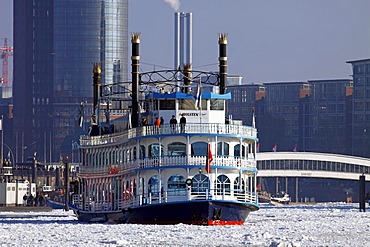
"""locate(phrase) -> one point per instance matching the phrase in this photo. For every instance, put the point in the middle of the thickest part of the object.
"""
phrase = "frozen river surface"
(330, 224)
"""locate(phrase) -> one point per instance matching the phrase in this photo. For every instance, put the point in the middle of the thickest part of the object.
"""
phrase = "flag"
(274, 149)
(258, 147)
(295, 148)
(81, 115)
(253, 118)
(198, 97)
(209, 159)
(80, 121)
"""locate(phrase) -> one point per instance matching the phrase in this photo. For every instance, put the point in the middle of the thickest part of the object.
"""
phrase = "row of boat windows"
(176, 185)
(313, 165)
(120, 155)
(188, 104)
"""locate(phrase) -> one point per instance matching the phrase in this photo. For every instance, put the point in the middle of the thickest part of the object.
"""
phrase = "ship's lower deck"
(202, 212)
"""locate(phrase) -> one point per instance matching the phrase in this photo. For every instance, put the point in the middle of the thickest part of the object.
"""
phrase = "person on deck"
(157, 123)
(144, 122)
(173, 123)
(182, 123)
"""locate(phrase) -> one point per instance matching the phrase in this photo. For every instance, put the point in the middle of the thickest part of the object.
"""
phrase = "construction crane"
(6, 52)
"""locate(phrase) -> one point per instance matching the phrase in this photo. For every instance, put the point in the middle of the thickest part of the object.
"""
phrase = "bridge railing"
(313, 165)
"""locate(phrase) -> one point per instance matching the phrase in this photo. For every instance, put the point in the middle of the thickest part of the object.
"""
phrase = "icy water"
(331, 224)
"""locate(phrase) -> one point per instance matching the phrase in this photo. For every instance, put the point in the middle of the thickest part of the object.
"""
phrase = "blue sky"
(270, 40)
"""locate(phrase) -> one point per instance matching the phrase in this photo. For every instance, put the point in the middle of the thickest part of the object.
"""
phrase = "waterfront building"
(325, 114)
(361, 107)
(297, 116)
(244, 101)
(55, 44)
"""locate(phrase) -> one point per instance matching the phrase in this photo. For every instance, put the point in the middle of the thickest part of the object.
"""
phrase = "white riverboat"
(199, 172)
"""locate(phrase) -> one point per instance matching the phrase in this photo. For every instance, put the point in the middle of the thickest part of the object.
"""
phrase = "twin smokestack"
(183, 54)
(183, 60)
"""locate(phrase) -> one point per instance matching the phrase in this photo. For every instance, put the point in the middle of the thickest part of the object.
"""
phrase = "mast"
(135, 66)
(222, 42)
(96, 88)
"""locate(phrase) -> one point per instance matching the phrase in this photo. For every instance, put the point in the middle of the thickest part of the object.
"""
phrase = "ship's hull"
(54, 204)
(205, 212)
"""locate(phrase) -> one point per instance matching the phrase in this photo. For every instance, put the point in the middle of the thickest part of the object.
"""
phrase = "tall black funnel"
(135, 66)
(222, 59)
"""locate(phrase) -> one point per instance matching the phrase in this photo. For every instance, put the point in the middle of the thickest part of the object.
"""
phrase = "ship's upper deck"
(206, 117)
(167, 130)
(209, 109)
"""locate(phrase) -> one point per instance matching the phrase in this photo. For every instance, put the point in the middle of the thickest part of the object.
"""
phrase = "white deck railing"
(173, 161)
(119, 204)
(190, 128)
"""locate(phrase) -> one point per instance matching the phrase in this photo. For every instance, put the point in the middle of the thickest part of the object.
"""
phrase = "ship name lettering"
(192, 114)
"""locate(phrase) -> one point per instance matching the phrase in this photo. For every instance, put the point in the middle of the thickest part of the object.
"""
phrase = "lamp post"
(25, 147)
(11, 152)
(2, 140)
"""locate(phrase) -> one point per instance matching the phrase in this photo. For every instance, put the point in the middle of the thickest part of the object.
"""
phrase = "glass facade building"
(56, 44)
(361, 107)
(325, 125)
(310, 116)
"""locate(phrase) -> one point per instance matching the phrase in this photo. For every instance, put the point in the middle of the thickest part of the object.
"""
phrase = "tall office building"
(310, 116)
(325, 124)
(56, 43)
(361, 107)
(281, 116)
(244, 100)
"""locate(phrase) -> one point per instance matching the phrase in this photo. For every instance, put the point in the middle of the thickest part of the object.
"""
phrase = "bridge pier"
(296, 189)
(362, 193)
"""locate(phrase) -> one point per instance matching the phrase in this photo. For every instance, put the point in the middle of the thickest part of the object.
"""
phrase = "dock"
(25, 209)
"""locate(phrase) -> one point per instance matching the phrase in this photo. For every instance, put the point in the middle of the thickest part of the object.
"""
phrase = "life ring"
(189, 182)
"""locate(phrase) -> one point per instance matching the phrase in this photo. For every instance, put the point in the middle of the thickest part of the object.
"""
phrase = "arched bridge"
(307, 164)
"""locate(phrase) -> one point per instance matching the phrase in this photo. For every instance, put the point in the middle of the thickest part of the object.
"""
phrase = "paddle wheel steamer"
(199, 171)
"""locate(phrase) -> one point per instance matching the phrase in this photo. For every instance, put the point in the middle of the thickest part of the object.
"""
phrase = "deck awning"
(175, 95)
(178, 95)
(210, 95)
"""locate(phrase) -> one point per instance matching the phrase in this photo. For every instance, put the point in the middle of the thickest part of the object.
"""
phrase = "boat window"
(200, 184)
(239, 185)
(134, 188)
(176, 149)
(109, 158)
(141, 188)
(199, 149)
(189, 104)
(222, 149)
(217, 104)
(176, 186)
(142, 151)
(155, 105)
(186, 104)
(114, 155)
(128, 155)
(168, 104)
(154, 150)
(153, 185)
(237, 151)
(222, 185)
